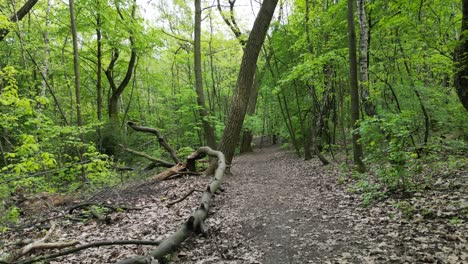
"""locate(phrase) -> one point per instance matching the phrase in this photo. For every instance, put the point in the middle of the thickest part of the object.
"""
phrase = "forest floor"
(277, 208)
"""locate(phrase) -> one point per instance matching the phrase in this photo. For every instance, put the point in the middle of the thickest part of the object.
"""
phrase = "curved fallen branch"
(43, 243)
(83, 247)
(156, 161)
(195, 223)
(161, 140)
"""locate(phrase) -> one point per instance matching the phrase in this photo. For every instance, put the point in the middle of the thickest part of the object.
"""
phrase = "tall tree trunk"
(207, 128)
(45, 63)
(357, 148)
(246, 142)
(242, 92)
(461, 59)
(118, 90)
(99, 62)
(76, 64)
(369, 107)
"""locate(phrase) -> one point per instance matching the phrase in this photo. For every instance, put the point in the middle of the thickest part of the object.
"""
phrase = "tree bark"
(210, 136)
(246, 143)
(461, 59)
(76, 65)
(99, 62)
(369, 107)
(117, 91)
(242, 92)
(357, 148)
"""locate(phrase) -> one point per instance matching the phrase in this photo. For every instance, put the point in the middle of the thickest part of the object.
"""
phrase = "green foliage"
(42, 156)
(387, 139)
(8, 216)
(184, 152)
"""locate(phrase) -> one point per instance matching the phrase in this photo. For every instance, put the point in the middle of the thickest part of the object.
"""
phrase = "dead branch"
(43, 243)
(112, 207)
(35, 244)
(83, 247)
(183, 198)
(177, 169)
(195, 223)
(161, 140)
(155, 161)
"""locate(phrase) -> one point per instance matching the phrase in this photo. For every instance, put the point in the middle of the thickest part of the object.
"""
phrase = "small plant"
(406, 209)
(389, 151)
(9, 216)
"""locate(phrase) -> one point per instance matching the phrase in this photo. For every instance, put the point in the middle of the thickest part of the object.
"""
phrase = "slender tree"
(242, 92)
(207, 128)
(357, 149)
(99, 61)
(76, 66)
(369, 107)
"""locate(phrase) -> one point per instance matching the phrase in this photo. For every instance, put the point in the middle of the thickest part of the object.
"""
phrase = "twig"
(183, 198)
(114, 208)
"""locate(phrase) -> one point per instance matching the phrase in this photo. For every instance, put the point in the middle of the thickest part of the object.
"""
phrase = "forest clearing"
(239, 131)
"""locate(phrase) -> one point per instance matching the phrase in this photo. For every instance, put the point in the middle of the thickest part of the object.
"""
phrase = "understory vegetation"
(67, 93)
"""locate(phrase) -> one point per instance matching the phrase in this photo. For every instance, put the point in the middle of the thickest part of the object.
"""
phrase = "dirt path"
(279, 209)
(291, 210)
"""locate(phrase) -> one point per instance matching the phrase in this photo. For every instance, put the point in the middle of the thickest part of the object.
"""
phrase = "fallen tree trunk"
(176, 169)
(195, 223)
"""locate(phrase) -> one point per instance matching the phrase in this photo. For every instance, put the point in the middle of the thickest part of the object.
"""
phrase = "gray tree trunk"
(76, 65)
(369, 107)
(208, 130)
(240, 98)
(357, 148)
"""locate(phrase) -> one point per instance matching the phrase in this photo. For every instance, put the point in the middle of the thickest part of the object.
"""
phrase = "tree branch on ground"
(83, 247)
(195, 223)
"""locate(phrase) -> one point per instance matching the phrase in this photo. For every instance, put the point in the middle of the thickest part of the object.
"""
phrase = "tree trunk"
(99, 63)
(369, 107)
(76, 66)
(210, 136)
(357, 148)
(242, 92)
(246, 143)
(461, 59)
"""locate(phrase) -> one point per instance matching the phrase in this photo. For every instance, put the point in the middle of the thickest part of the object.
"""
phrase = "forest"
(213, 131)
